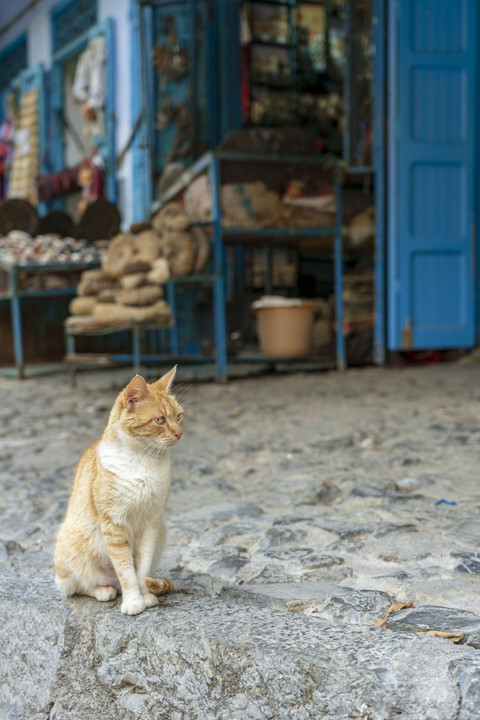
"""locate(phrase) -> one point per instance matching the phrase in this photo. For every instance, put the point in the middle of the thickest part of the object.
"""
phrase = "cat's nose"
(178, 434)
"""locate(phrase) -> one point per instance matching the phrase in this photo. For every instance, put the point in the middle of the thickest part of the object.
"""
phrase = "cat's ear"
(165, 383)
(136, 391)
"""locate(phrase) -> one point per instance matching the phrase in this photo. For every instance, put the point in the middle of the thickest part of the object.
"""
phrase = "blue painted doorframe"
(432, 116)
(379, 68)
(106, 143)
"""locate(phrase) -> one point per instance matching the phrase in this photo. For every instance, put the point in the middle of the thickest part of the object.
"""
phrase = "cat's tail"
(159, 586)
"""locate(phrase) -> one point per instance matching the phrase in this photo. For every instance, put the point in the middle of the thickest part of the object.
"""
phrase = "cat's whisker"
(149, 449)
(149, 445)
(183, 392)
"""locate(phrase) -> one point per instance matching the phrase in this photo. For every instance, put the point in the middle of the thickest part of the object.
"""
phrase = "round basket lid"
(101, 220)
(56, 222)
(17, 214)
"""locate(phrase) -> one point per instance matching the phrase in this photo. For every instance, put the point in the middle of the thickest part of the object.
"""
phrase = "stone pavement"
(304, 507)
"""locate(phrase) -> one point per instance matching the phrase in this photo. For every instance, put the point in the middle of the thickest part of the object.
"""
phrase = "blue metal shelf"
(15, 294)
(211, 163)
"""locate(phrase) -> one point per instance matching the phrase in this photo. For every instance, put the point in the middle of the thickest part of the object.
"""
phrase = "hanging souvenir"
(170, 60)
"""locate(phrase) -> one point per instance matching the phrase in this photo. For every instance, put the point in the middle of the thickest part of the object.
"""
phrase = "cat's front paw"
(133, 606)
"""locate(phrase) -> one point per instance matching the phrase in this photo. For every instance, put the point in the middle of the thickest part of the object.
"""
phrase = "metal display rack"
(211, 164)
(15, 294)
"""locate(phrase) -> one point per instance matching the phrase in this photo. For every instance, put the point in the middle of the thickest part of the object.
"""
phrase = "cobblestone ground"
(303, 507)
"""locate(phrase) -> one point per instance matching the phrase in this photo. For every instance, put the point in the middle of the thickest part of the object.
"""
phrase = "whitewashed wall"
(36, 24)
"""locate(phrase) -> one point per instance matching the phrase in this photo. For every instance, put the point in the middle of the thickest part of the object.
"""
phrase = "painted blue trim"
(12, 81)
(21, 40)
(476, 196)
(236, 71)
(228, 72)
(147, 32)
(192, 98)
(56, 11)
(136, 348)
(141, 165)
(219, 320)
(347, 99)
(393, 288)
(60, 7)
(212, 65)
(110, 150)
(172, 301)
(16, 323)
(338, 273)
(76, 46)
(378, 43)
(280, 231)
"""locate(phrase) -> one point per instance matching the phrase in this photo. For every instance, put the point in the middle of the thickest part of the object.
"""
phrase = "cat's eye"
(179, 417)
(160, 420)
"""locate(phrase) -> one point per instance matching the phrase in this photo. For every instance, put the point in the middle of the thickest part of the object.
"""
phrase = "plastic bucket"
(286, 332)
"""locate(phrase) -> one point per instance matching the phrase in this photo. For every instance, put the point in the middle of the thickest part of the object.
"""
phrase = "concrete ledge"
(222, 657)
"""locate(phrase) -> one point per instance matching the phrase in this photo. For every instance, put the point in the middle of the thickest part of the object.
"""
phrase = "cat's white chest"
(142, 482)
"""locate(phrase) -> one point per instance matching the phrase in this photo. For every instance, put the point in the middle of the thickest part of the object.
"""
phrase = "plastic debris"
(445, 502)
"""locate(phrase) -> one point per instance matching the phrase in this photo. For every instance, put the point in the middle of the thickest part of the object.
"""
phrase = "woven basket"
(145, 295)
(147, 246)
(135, 280)
(82, 305)
(119, 254)
(170, 217)
(160, 272)
(181, 252)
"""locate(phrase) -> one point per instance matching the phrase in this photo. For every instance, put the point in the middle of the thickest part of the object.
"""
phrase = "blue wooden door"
(432, 157)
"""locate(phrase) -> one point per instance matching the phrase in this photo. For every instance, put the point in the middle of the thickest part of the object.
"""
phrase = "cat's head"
(150, 411)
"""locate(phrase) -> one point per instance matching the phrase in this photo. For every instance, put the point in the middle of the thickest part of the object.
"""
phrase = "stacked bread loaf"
(129, 285)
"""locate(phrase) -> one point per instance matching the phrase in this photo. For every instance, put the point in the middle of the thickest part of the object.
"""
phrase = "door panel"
(432, 146)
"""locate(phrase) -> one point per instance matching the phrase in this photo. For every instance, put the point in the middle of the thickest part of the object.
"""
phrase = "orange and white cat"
(114, 531)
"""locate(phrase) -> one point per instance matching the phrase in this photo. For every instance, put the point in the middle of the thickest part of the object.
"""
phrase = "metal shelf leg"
(218, 283)
(136, 349)
(174, 341)
(338, 265)
(17, 324)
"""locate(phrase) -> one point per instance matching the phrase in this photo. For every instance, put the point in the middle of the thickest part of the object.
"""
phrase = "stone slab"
(290, 531)
(431, 617)
(320, 600)
(207, 658)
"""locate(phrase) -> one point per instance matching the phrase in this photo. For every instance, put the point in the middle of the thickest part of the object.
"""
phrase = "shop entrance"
(83, 113)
